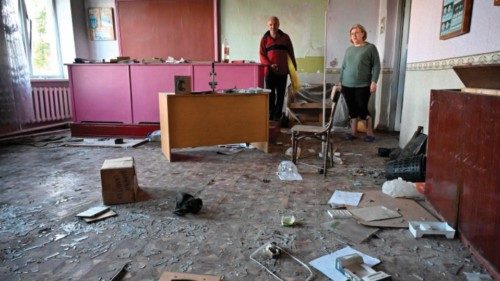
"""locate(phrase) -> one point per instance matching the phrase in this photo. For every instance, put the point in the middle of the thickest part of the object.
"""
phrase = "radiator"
(51, 104)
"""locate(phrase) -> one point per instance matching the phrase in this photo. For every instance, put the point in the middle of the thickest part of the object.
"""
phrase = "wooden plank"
(171, 276)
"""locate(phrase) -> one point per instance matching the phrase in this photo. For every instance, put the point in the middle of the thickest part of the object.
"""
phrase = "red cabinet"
(463, 167)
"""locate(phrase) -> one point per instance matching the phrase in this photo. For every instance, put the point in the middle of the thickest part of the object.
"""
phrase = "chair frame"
(321, 133)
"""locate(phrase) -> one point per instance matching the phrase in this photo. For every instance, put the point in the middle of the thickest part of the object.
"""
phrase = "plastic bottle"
(225, 51)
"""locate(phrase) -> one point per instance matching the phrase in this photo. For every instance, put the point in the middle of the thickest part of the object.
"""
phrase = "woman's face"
(357, 36)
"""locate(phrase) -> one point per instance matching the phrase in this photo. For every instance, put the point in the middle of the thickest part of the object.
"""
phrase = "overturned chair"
(321, 133)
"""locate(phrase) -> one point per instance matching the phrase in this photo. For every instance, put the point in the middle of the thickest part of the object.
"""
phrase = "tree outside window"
(45, 55)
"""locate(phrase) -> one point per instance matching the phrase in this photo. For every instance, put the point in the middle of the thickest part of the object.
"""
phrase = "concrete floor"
(44, 184)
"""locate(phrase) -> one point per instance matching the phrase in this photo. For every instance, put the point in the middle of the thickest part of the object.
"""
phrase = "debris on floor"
(477, 276)
(351, 230)
(179, 276)
(409, 209)
(288, 220)
(105, 215)
(401, 188)
(343, 198)
(119, 181)
(106, 142)
(339, 214)
(326, 264)
(353, 267)
(287, 171)
(92, 212)
(187, 203)
(96, 214)
(43, 187)
(230, 149)
(421, 228)
(374, 213)
(274, 252)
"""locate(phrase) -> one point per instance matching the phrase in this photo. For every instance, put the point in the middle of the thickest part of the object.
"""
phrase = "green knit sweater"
(360, 67)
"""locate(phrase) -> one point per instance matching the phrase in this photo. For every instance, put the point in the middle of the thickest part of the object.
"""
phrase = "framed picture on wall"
(101, 24)
(455, 18)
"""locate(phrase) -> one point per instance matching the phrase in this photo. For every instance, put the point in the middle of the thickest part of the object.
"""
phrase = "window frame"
(55, 39)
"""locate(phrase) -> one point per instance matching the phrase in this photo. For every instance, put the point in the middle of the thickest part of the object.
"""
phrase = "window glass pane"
(45, 58)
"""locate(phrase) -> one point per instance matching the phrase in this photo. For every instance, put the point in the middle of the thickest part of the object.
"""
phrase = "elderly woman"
(358, 80)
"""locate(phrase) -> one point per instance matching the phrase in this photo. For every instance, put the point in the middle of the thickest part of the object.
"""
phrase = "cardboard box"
(119, 181)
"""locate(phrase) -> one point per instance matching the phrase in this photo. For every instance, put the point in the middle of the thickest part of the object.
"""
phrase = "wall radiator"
(51, 104)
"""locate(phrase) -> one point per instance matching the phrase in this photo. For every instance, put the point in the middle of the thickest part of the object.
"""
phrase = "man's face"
(273, 26)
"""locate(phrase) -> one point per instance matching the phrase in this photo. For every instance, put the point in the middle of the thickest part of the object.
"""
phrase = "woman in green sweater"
(358, 80)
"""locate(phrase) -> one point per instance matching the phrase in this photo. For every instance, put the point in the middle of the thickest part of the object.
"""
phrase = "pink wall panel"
(146, 82)
(101, 93)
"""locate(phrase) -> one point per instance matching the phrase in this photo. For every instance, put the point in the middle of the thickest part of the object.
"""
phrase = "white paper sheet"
(326, 264)
(345, 198)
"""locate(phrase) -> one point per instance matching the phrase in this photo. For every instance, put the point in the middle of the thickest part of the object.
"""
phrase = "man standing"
(275, 48)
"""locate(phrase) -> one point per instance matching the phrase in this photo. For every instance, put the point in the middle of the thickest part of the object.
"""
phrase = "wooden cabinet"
(146, 82)
(202, 120)
(128, 93)
(463, 167)
(101, 93)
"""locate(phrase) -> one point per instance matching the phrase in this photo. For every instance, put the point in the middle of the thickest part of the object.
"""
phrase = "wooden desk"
(210, 119)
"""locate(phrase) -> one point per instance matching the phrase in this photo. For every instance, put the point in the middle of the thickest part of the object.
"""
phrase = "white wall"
(86, 48)
(424, 43)
(102, 49)
(342, 14)
(243, 22)
(430, 60)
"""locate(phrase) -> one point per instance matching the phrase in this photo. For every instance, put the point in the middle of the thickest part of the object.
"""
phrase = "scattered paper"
(345, 198)
(326, 264)
(92, 212)
(108, 214)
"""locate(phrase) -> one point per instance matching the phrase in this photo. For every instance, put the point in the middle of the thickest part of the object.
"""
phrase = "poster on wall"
(101, 24)
(455, 18)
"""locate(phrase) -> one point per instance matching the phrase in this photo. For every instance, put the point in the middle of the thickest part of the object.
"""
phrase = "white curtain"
(16, 105)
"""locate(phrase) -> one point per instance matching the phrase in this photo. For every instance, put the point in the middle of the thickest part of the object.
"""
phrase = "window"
(44, 38)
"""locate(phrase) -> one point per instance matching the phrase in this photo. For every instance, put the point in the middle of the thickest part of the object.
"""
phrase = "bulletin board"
(101, 24)
(160, 28)
(455, 18)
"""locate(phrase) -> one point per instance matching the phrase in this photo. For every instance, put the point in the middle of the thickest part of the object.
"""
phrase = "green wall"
(243, 22)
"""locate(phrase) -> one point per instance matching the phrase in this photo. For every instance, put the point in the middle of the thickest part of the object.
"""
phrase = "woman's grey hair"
(360, 27)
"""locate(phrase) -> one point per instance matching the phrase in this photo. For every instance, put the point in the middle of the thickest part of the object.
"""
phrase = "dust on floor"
(44, 184)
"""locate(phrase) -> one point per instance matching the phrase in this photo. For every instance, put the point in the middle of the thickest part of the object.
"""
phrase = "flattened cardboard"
(408, 208)
(172, 276)
(351, 230)
(119, 181)
(375, 213)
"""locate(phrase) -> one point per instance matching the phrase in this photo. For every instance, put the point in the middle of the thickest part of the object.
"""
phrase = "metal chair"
(321, 133)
